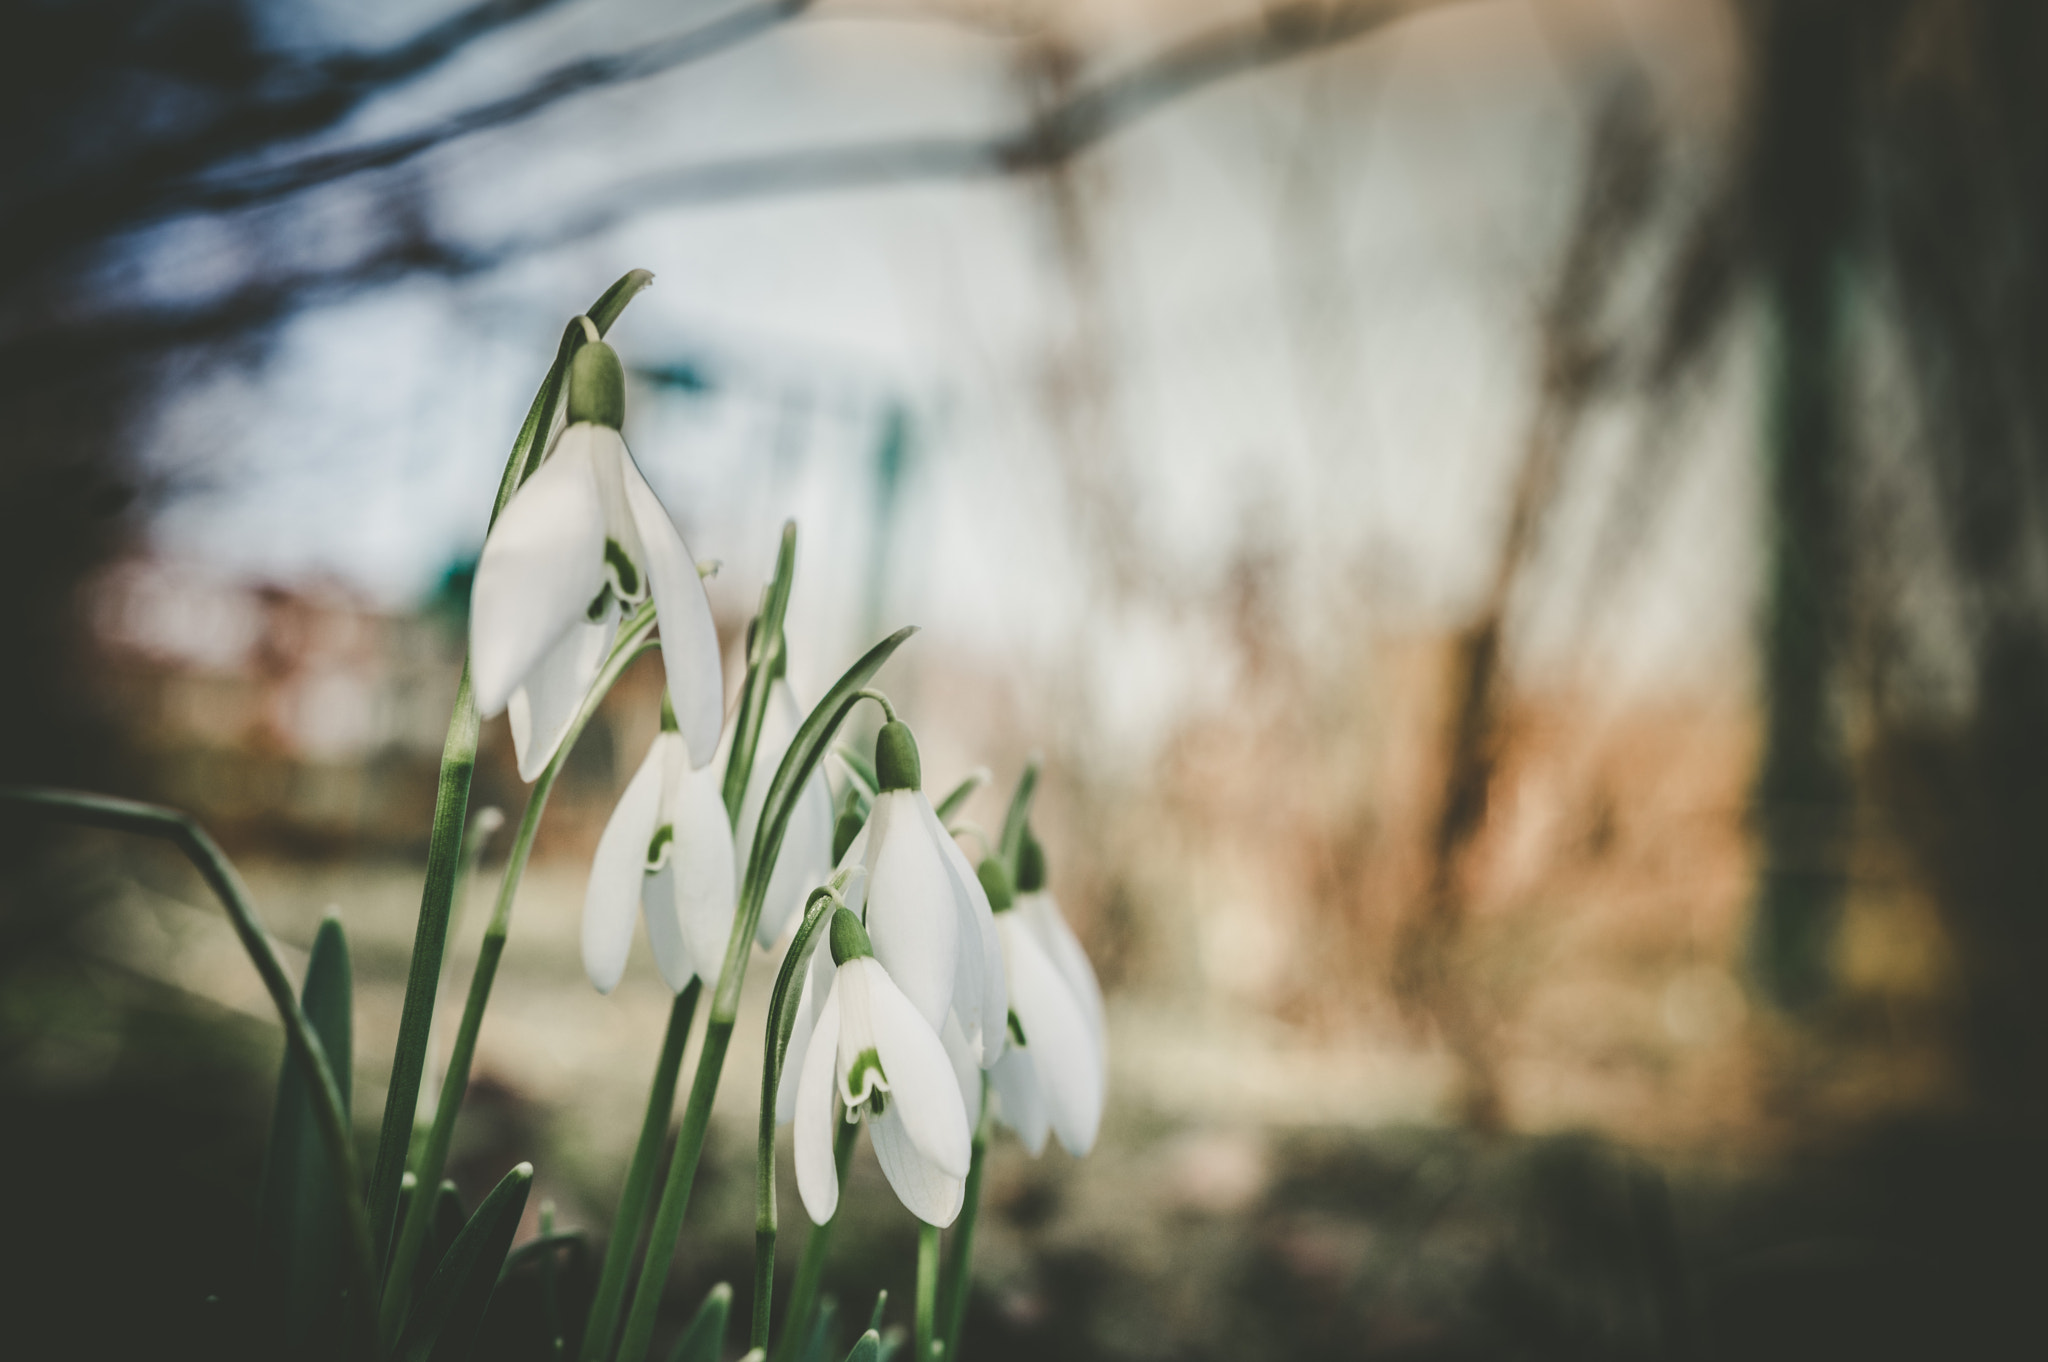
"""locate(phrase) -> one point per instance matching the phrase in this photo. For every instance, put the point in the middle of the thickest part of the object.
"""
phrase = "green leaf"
(875, 1315)
(867, 1349)
(704, 1340)
(764, 663)
(961, 793)
(806, 750)
(818, 1342)
(445, 1219)
(444, 1321)
(863, 770)
(576, 1242)
(302, 1221)
(1019, 814)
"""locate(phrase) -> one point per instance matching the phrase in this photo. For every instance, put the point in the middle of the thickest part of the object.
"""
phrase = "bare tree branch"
(237, 190)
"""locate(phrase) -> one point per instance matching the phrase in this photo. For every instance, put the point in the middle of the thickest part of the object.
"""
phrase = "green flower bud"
(845, 830)
(1030, 863)
(597, 386)
(896, 764)
(849, 938)
(995, 882)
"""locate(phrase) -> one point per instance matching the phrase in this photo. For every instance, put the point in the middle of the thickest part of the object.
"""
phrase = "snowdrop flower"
(926, 912)
(584, 540)
(806, 856)
(872, 1052)
(669, 849)
(1053, 1075)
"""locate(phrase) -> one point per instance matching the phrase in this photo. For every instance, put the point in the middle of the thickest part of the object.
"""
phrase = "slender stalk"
(430, 939)
(675, 1193)
(765, 661)
(927, 1288)
(451, 803)
(775, 1049)
(960, 1262)
(122, 815)
(810, 1268)
(631, 644)
(602, 1323)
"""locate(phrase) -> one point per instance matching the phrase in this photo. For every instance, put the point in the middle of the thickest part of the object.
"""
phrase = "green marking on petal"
(865, 1082)
(626, 580)
(659, 846)
(1016, 1030)
(600, 605)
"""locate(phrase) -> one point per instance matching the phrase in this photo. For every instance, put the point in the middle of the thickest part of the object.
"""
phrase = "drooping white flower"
(584, 539)
(1053, 1075)
(806, 855)
(926, 912)
(872, 1055)
(667, 849)
(1038, 909)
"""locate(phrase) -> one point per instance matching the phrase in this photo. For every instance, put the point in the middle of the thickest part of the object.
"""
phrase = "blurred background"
(1518, 527)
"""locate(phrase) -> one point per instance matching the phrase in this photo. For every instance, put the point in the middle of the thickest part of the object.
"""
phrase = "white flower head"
(668, 849)
(1054, 1073)
(928, 915)
(584, 539)
(871, 1054)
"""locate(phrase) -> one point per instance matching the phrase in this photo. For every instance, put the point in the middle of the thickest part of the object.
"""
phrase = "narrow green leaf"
(444, 1321)
(875, 1315)
(572, 1241)
(862, 769)
(303, 1220)
(1019, 814)
(704, 1340)
(867, 1349)
(764, 663)
(818, 1343)
(445, 1219)
(961, 793)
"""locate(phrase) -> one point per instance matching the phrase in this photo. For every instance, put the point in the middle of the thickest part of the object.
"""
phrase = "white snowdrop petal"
(965, 1057)
(659, 905)
(1043, 913)
(615, 875)
(924, 1093)
(817, 981)
(982, 994)
(541, 567)
(1015, 1081)
(925, 1189)
(912, 918)
(689, 637)
(546, 702)
(703, 859)
(817, 1178)
(1056, 1036)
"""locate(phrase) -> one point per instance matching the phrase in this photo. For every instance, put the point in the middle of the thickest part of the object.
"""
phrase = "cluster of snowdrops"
(922, 993)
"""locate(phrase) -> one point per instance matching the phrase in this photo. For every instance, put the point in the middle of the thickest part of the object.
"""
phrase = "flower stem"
(927, 1288)
(301, 1040)
(810, 1268)
(813, 739)
(959, 1263)
(632, 642)
(451, 803)
(781, 1022)
(430, 939)
(602, 1324)
(675, 1192)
